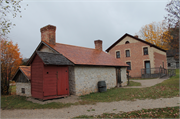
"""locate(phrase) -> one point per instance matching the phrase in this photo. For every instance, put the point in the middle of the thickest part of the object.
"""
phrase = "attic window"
(126, 42)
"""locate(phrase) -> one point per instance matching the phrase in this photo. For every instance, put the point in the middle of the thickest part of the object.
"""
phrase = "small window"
(127, 53)
(118, 54)
(169, 64)
(23, 90)
(129, 67)
(126, 42)
(145, 51)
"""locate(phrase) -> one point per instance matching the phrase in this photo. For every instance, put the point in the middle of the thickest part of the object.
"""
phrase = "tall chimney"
(48, 34)
(98, 45)
(136, 36)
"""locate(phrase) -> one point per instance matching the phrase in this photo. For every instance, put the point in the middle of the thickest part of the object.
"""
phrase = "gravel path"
(147, 83)
(99, 108)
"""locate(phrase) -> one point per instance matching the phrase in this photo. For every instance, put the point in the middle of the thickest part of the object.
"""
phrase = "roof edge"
(151, 45)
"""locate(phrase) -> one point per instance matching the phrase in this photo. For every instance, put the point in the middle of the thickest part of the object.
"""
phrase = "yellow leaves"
(156, 34)
(10, 58)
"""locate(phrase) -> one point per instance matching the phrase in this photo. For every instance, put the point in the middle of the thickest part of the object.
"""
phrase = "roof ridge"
(77, 46)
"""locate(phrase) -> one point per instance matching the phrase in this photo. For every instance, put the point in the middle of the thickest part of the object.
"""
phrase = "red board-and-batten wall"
(48, 81)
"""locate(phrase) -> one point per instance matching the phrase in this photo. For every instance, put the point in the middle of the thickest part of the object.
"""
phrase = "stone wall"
(27, 87)
(87, 77)
(123, 76)
(72, 84)
(172, 62)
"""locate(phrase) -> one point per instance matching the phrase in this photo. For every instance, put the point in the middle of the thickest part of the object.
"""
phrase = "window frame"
(144, 52)
(23, 90)
(126, 53)
(129, 67)
(119, 54)
(127, 42)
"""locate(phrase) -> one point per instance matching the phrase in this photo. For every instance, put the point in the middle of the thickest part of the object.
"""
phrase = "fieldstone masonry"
(86, 78)
(27, 87)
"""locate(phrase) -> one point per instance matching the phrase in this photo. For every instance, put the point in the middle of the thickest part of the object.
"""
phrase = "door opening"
(147, 67)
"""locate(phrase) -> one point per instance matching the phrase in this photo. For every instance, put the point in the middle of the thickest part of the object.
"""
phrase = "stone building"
(173, 59)
(86, 66)
(23, 81)
(138, 53)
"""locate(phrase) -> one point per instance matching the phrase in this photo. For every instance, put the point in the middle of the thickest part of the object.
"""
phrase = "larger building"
(138, 54)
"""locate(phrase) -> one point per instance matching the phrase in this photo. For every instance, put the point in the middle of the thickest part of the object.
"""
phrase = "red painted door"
(63, 85)
(50, 81)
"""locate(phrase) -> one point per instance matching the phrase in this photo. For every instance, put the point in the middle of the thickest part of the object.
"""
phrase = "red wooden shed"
(49, 74)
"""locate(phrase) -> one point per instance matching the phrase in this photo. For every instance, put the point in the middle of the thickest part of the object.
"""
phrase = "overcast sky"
(80, 22)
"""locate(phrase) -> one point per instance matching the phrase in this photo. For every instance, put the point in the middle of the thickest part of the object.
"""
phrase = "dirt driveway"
(148, 82)
(99, 108)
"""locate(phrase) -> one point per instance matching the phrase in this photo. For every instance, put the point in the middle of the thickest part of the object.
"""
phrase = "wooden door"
(63, 84)
(50, 81)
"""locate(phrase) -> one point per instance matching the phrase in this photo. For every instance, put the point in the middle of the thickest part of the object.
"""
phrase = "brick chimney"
(98, 45)
(136, 36)
(48, 34)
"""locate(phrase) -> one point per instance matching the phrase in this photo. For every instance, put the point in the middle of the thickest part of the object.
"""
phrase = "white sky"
(80, 22)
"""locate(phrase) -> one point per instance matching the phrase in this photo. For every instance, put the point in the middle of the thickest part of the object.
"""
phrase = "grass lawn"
(168, 112)
(166, 89)
(139, 79)
(132, 83)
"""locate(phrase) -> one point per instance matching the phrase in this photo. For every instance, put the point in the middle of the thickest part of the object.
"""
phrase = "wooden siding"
(21, 78)
(50, 81)
(37, 77)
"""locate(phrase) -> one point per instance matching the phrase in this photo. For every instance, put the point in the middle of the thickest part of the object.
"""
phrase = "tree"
(9, 8)
(173, 9)
(174, 41)
(156, 33)
(10, 61)
(173, 20)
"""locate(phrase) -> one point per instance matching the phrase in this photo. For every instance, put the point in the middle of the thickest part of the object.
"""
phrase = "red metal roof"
(86, 56)
(26, 70)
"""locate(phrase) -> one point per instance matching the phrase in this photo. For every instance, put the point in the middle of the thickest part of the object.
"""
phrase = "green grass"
(168, 112)
(13, 89)
(140, 79)
(132, 83)
(20, 102)
(166, 89)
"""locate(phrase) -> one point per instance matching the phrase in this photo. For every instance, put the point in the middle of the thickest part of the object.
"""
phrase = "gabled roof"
(26, 71)
(85, 56)
(53, 59)
(119, 40)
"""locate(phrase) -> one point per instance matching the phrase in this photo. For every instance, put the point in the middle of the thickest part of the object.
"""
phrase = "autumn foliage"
(157, 34)
(10, 61)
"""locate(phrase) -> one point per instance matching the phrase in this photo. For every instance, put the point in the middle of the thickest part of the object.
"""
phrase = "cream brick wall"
(123, 76)
(86, 78)
(27, 87)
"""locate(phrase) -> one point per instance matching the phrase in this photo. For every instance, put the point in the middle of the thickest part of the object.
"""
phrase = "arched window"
(126, 42)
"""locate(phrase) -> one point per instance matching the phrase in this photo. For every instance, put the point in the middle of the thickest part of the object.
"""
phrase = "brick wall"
(159, 59)
(136, 56)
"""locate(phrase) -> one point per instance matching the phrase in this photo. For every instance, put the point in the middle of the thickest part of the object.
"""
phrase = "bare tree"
(8, 9)
(173, 9)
